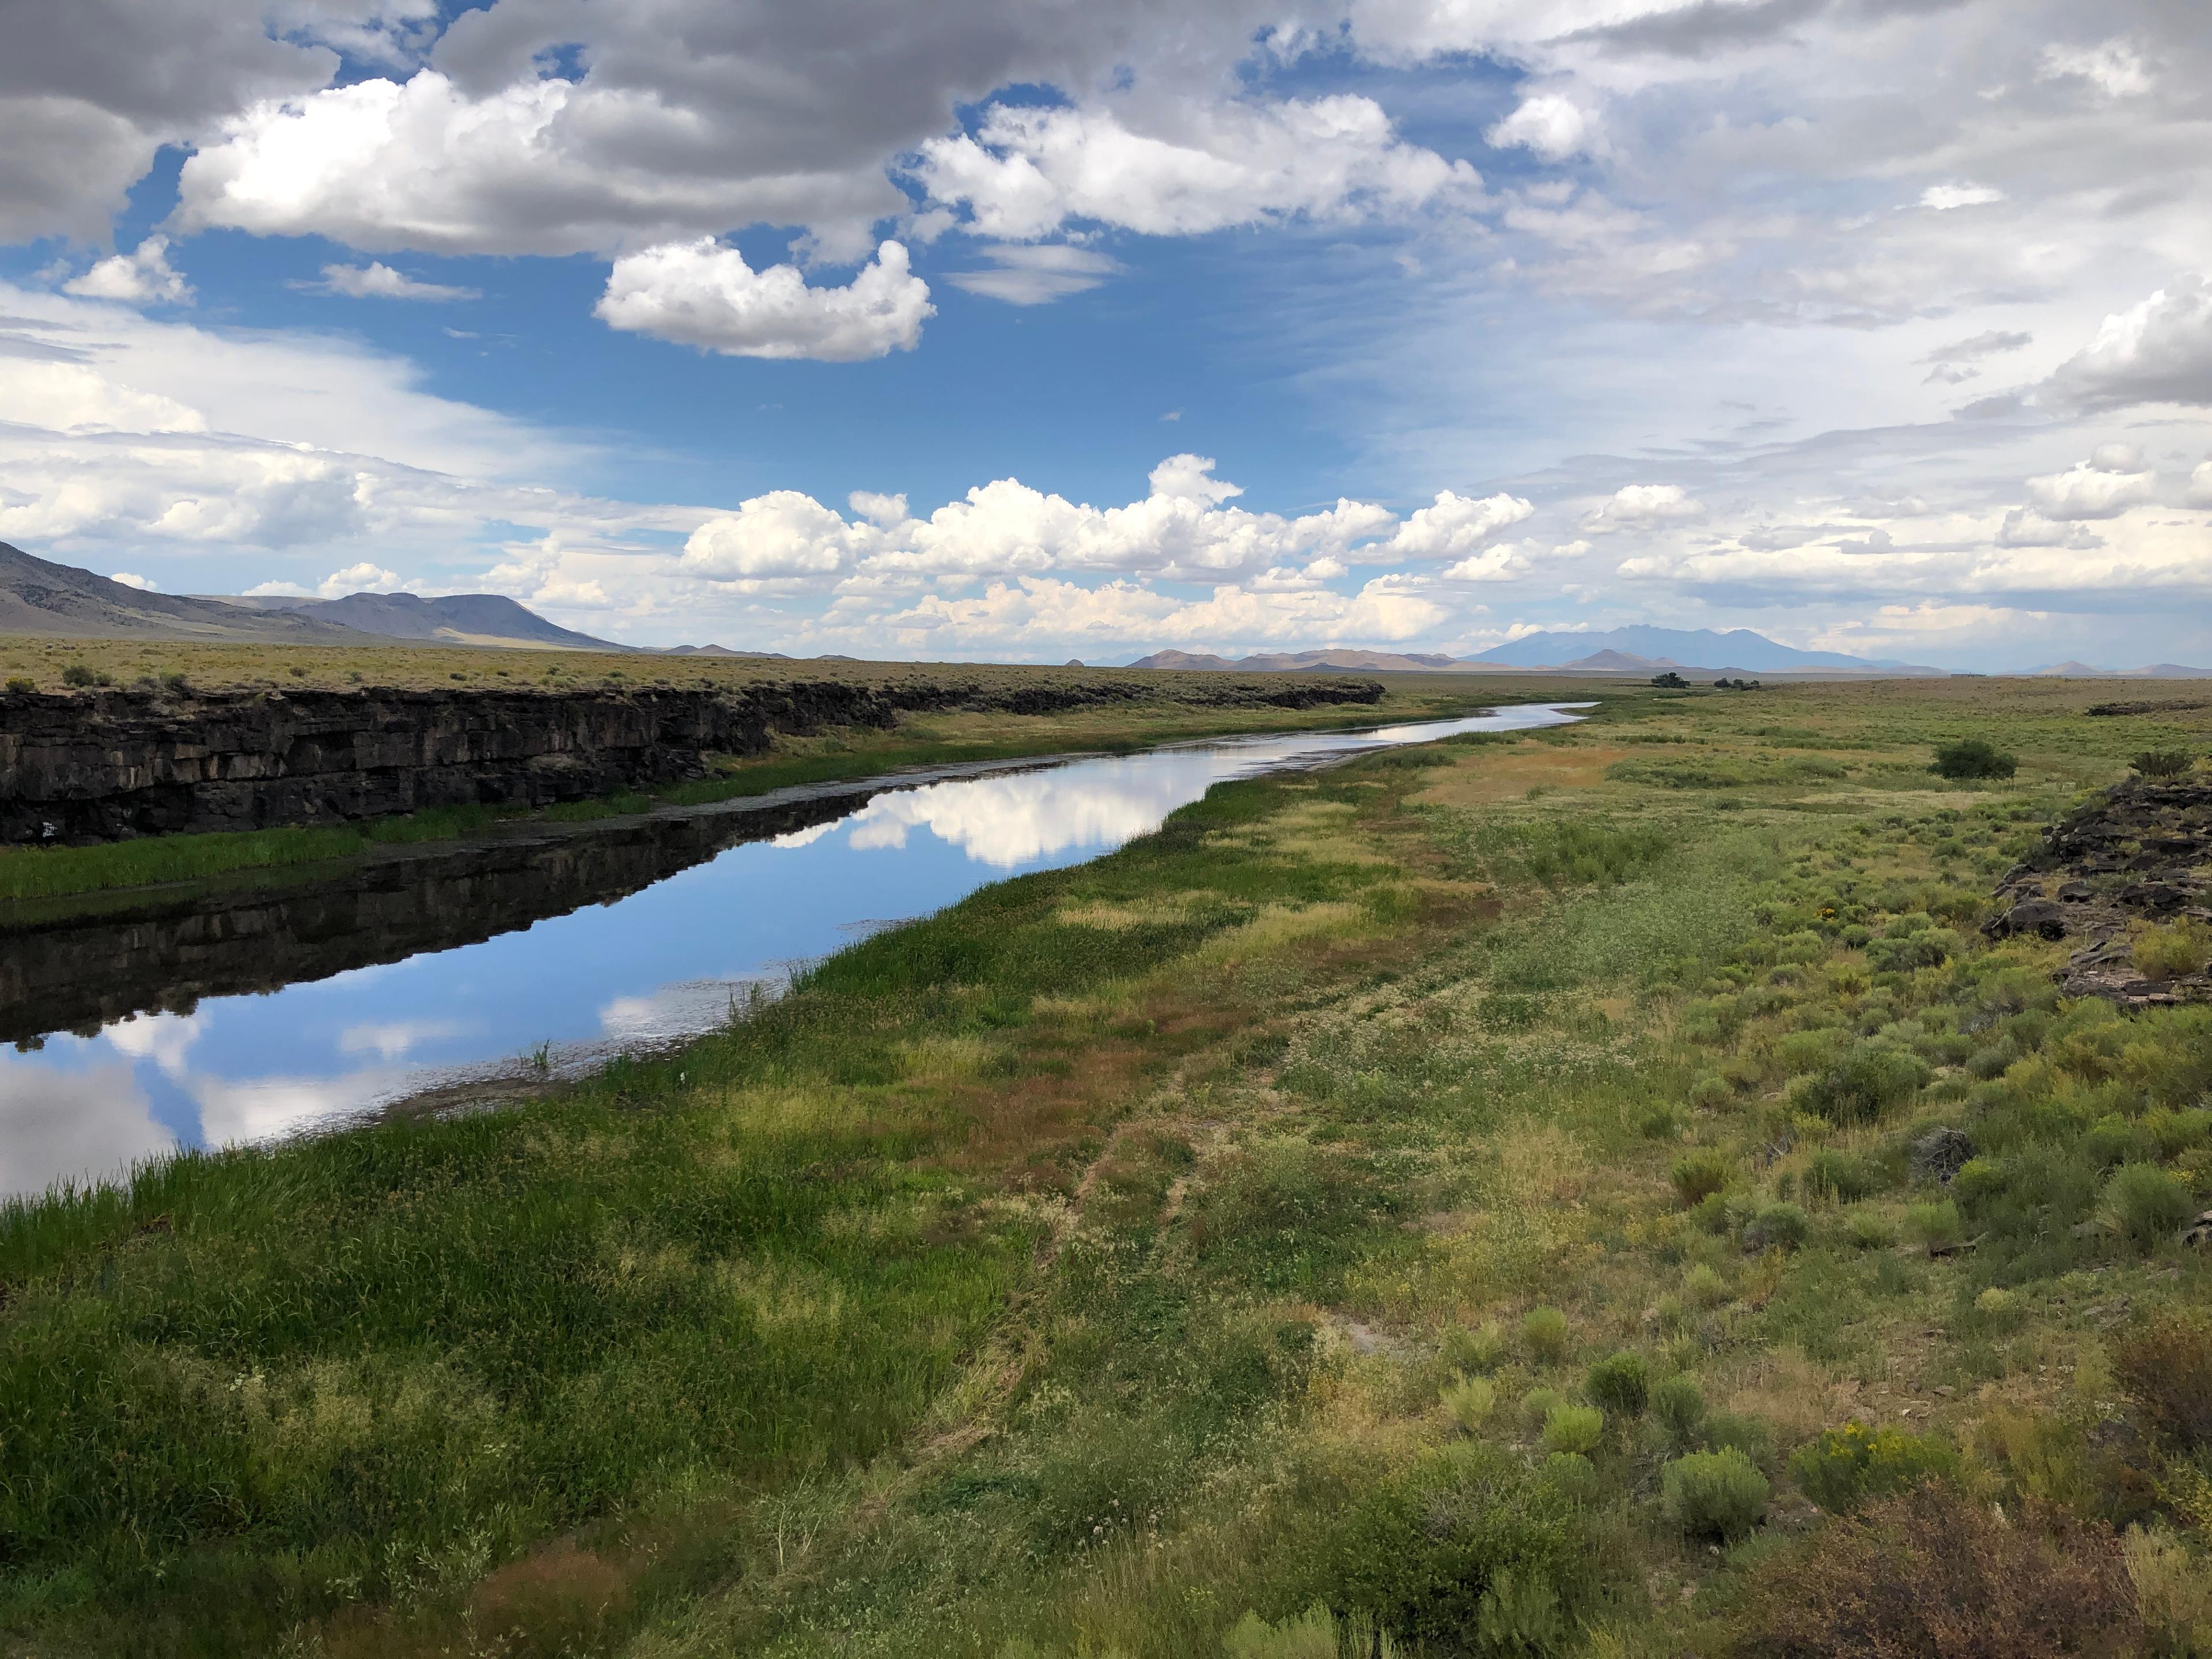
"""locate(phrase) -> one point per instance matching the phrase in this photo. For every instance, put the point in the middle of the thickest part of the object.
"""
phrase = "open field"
(1486, 1198)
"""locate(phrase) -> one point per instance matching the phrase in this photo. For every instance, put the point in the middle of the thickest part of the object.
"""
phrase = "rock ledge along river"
(246, 1010)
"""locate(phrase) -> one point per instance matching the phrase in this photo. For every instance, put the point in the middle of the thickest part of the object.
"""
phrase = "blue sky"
(1407, 323)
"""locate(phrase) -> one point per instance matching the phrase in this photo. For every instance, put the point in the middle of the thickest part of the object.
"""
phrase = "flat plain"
(1594, 1191)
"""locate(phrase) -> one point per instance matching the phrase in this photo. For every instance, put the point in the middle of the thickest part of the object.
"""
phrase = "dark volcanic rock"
(119, 763)
(2141, 852)
(1941, 1153)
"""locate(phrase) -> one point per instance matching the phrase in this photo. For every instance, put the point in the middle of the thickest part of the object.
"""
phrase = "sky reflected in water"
(658, 963)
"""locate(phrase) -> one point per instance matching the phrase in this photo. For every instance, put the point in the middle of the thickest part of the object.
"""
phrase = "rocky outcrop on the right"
(2139, 853)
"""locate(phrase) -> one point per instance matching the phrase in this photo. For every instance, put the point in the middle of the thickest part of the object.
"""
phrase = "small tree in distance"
(1974, 758)
(1670, 681)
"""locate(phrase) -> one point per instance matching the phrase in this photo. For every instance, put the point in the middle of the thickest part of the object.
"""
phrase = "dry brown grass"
(1933, 1574)
(1505, 773)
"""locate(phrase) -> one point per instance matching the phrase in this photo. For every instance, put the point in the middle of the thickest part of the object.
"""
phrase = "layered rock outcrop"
(2141, 852)
(107, 765)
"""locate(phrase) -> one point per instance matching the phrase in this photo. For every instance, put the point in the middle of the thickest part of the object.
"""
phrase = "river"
(248, 1010)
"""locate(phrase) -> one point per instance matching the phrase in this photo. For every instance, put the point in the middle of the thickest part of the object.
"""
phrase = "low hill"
(455, 619)
(39, 596)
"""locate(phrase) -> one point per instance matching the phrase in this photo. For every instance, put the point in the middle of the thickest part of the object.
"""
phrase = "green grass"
(58, 871)
(1094, 1268)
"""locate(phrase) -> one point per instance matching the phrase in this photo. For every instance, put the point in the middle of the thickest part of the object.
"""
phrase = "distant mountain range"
(2157, 671)
(456, 619)
(60, 600)
(38, 596)
(1639, 650)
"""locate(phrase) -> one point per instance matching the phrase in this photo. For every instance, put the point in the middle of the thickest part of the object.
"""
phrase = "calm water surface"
(651, 963)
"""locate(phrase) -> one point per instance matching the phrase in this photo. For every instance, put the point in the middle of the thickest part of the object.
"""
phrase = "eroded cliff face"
(106, 766)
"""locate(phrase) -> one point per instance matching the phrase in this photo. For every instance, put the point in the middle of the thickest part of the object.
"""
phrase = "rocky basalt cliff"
(107, 765)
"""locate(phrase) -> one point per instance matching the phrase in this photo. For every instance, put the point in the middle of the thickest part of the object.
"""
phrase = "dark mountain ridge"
(39, 596)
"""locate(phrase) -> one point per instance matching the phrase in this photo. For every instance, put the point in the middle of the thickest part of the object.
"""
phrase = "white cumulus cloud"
(1028, 171)
(1551, 124)
(378, 280)
(705, 294)
(142, 276)
(363, 578)
(2158, 351)
(783, 533)
(1641, 506)
(1453, 527)
(2091, 491)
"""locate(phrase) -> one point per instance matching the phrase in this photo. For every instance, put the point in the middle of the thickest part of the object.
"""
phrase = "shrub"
(1711, 1093)
(1739, 1431)
(1929, 947)
(1980, 1182)
(175, 682)
(1573, 1475)
(1999, 1306)
(78, 674)
(1974, 758)
(1467, 1540)
(1470, 1400)
(2144, 1204)
(1865, 1083)
(1713, 1494)
(2113, 1140)
(1776, 1226)
(2163, 1363)
(1932, 1572)
(2174, 1133)
(18, 683)
(1620, 1384)
(1576, 1428)
(1845, 1467)
(1536, 1405)
(1545, 1331)
(1934, 1226)
(1678, 1407)
(1699, 1175)
(1704, 1286)
(1838, 1176)
(2174, 952)
(1474, 1350)
(1870, 1232)
(2163, 763)
(2173, 1591)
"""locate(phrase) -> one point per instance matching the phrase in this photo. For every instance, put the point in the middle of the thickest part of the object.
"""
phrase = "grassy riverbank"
(1468, 1195)
(832, 755)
